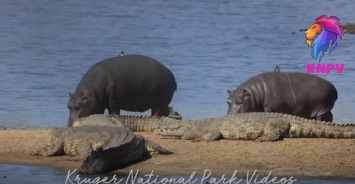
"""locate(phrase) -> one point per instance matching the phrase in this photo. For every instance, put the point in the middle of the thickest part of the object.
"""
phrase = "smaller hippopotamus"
(130, 82)
(300, 94)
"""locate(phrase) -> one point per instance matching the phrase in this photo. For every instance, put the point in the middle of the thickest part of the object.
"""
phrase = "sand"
(298, 158)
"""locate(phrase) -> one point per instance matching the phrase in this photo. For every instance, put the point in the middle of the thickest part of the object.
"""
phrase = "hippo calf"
(300, 94)
(127, 82)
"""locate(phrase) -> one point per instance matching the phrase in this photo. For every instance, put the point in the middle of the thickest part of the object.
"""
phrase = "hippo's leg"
(174, 114)
(113, 108)
(267, 108)
(162, 110)
(328, 117)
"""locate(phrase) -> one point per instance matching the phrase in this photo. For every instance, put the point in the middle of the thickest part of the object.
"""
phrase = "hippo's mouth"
(240, 110)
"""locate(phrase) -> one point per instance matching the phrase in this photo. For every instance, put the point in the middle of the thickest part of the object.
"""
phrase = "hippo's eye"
(239, 101)
(77, 107)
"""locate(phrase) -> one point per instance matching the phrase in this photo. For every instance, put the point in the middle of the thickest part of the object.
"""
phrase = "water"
(210, 46)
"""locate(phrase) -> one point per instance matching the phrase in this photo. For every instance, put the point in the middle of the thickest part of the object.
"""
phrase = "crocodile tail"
(103, 161)
(153, 147)
(317, 129)
(93, 164)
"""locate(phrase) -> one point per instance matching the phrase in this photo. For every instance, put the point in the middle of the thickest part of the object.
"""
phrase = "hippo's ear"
(84, 95)
(246, 93)
(229, 92)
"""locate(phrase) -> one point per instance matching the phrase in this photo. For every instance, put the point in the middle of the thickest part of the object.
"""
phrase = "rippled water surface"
(210, 46)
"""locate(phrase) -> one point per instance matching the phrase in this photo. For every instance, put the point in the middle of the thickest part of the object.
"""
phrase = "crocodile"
(100, 148)
(134, 123)
(115, 120)
(261, 126)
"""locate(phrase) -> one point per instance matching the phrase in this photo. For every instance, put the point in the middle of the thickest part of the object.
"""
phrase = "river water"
(210, 46)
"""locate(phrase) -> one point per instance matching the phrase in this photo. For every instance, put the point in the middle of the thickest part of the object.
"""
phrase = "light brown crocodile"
(101, 148)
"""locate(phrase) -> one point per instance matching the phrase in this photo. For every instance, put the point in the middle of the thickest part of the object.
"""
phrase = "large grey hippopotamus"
(300, 94)
(129, 82)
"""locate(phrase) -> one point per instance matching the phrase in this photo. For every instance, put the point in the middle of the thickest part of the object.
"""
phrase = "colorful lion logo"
(319, 35)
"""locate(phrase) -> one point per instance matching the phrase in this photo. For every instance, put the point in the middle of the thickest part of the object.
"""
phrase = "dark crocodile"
(263, 126)
(101, 148)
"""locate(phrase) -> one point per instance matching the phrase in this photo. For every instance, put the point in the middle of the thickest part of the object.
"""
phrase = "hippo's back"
(137, 69)
(295, 81)
(133, 82)
(300, 94)
(136, 72)
(302, 85)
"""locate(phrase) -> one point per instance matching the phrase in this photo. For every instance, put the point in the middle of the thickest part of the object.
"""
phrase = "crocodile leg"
(274, 131)
(192, 135)
(196, 136)
(78, 149)
(153, 148)
(55, 149)
(212, 135)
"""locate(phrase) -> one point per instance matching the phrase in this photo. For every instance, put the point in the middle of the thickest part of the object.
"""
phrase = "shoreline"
(298, 158)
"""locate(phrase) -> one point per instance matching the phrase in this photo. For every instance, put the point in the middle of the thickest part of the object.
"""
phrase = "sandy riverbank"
(300, 158)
